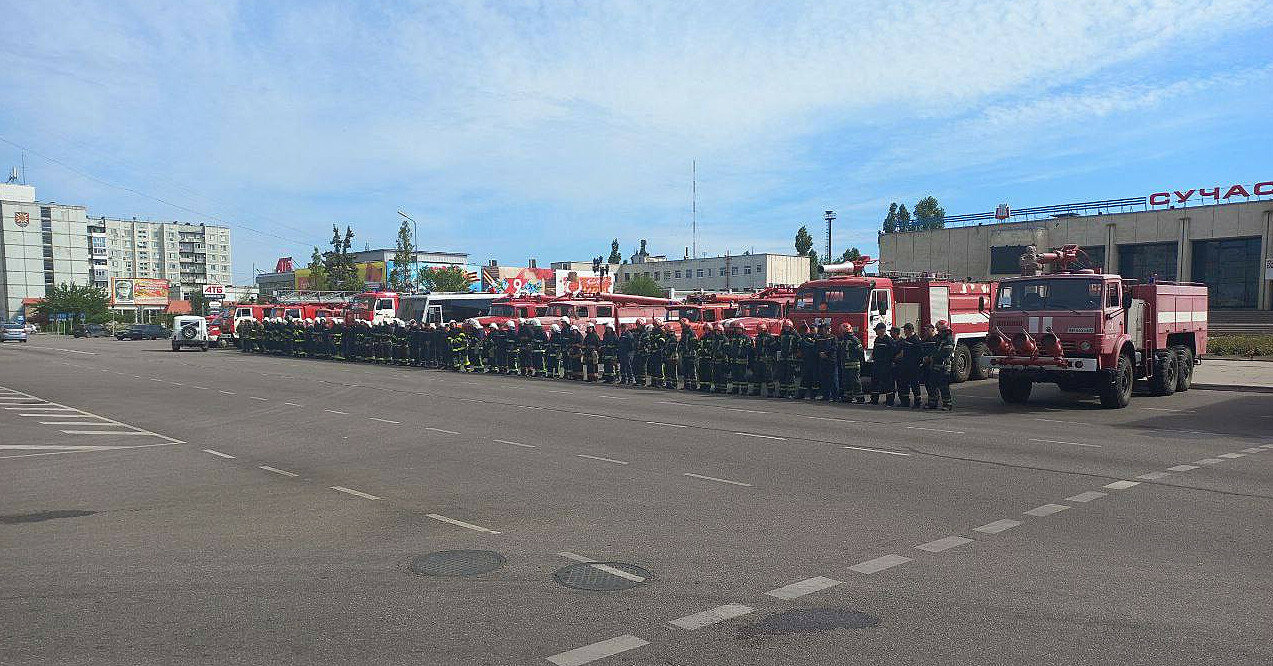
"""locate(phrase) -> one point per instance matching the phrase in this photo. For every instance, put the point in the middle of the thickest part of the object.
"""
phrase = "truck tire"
(1117, 390)
(204, 347)
(1166, 373)
(960, 364)
(977, 350)
(1013, 388)
(1184, 369)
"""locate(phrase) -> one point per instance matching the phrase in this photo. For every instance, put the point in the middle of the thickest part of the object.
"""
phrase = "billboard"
(138, 291)
(370, 272)
(513, 281)
(573, 283)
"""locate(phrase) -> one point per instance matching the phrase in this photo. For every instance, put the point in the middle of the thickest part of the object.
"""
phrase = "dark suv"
(91, 331)
(142, 332)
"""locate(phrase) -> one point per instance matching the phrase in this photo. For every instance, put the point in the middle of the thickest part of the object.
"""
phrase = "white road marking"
(293, 404)
(505, 441)
(1046, 510)
(199, 388)
(752, 434)
(997, 526)
(599, 650)
(595, 416)
(218, 453)
(1266, 447)
(461, 523)
(1182, 468)
(1121, 485)
(107, 432)
(57, 447)
(863, 448)
(38, 406)
(828, 418)
(336, 411)
(609, 460)
(945, 543)
(951, 432)
(556, 391)
(384, 420)
(1153, 476)
(351, 491)
(46, 415)
(1207, 461)
(879, 564)
(1054, 441)
(227, 392)
(1231, 455)
(446, 432)
(80, 423)
(600, 566)
(1087, 496)
(1254, 449)
(1167, 409)
(155, 379)
(712, 478)
(801, 588)
(176, 383)
(254, 397)
(1089, 425)
(710, 617)
(749, 411)
(670, 425)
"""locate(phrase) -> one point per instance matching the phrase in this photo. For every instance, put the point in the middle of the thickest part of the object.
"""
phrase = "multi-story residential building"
(41, 245)
(187, 255)
(743, 272)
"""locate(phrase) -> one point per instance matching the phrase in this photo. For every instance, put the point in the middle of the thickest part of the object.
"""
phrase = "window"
(1051, 294)
(760, 268)
(1146, 261)
(700, 272)
(581, 312)
(656, 275)
(837, 299)
(746, 270)
(722, 271)
(1111, 295)
(733, 270)
(1231, 268)
(678, 275)
(604, 311)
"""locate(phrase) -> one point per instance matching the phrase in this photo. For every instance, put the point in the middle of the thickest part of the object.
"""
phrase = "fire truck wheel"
(961, 364)
(1165, 373)
(1014, 389)
(1117, 392)
(1184, 374)
(977, 350)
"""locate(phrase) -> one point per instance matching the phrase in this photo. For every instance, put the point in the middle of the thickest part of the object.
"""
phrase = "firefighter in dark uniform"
(490, 348)
(574, 354)
(883, 355)
(525, 348)
(654, 353)
(705, 362)
(627, 347)
(788, 359)
(639, 358)
(538, 349)
(459, 348)
(722, 367)
(300, 337)
(939, 368)
(741, 354)
(591, 353)
(688, 353)
(909, 366)
(762, 368)
(828, 350)
(556, 350)
(609, 354)
(243, 333)
(671, 357)
(851, 355)
(413, 342)
(808, 363)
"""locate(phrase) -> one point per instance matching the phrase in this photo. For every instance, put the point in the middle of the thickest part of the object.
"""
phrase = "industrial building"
(1225, 245)
(41, 245)
(743, 272)
(187, 255)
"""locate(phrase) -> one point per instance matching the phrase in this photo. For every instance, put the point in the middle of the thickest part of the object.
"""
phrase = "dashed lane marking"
(1207, 461)
(945, 543)
(609, 460)
(863, 448)
(879, 564)
(829, 418)
(40, 407)
(801, 588)
(1254, 449)
(199, 388)
(1182, 468)
(950, 432)
(57, 447)
(710, 617)
(669, 425)
(1087, 496)
(372, 418)
(752, 434)
(505, 441)
(176, 383)
(1055, 441)
(461, 523)
(276, 470)
(595, 416)
(218, 453)
(1153, 476)
(445, 432)
(997, 526)
(712, 478)
(293, 404)
(599, 566)
(1231, 455)
(46, 415)
(227, 392)
(1046, 510)
(109, 432)
(257, 397)
(80, 423)
(336, 411)
(351, 491)
(599, 650)
(1121, 485)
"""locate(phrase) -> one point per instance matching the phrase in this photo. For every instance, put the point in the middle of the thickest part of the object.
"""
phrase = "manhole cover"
(602, 576)
(809, 620)
(43, 515)
(457, 563)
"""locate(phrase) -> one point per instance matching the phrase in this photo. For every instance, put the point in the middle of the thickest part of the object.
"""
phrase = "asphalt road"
(160, 507)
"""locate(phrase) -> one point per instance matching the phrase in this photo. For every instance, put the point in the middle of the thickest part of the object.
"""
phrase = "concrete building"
(1227, 246)
(187, 255)
(41, 245)
(744, 272)
(422, 257)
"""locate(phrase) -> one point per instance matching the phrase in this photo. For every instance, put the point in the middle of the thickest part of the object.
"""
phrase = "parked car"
(91, 331)
(32, 329)
(15, 332)
(142, 332)
(190, 331)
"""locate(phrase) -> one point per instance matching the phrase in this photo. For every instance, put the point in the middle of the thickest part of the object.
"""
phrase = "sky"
(517, 130)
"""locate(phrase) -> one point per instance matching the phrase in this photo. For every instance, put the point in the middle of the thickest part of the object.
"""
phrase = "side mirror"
(1127, 300)
(981, 304)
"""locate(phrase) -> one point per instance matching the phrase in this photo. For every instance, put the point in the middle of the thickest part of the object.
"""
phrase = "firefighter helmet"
(640, 321)
(556, 328)
(788, 325)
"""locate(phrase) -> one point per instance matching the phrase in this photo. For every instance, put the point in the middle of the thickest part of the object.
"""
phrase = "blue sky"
(517, 130)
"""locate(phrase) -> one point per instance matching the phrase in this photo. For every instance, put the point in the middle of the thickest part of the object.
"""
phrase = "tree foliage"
(929, 214)
(86, 304)
(403, 260)
(850, 254)
(641, 285)
(615, 256)
(342, 274)
(815, 265)
(318, 278)
(890, 220)
(804, 242)
(443, 278)
(904, 222)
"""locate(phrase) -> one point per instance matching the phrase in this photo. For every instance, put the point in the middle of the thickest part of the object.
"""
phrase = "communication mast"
(694, 206)
(829, 216)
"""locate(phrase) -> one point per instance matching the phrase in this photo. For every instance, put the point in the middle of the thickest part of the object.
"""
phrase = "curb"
(1231, 387)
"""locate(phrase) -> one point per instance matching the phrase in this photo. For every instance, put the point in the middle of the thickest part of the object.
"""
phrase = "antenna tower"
(694, 206)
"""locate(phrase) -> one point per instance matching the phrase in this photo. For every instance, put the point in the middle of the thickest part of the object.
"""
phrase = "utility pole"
(829, 216)
(694, 206)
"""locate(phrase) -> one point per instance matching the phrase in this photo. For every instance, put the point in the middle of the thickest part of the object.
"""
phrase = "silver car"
(15, 332)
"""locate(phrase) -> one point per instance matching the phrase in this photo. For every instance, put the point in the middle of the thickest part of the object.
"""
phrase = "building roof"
(178, 307)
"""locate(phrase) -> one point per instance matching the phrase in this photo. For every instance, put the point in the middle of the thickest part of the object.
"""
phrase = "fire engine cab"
(766, 309)
(702, 310)
(1094, 333)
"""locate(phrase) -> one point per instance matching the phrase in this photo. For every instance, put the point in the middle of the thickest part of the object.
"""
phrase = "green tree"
(615, 257)
(443, 278)
(318, 278)
(815, 265)
(342, 274)
(890, 220)
(89, 305)
(403, 260)
(641, 285)
(850, 254)
(929, 214)
(904, 219)
(198, 303)
(804, 242)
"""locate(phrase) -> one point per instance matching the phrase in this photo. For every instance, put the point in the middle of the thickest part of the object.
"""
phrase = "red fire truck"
(702, 310)
(766, 309)
(895, 299)
(621, 310)
(516, 307)
(1094, 333)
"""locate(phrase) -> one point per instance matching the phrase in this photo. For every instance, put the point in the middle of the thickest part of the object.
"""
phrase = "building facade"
(187, 255)
(745, 272)
(1226, 246)
(41, 245)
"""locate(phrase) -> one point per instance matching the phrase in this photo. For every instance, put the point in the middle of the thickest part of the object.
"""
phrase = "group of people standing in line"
(811, 362)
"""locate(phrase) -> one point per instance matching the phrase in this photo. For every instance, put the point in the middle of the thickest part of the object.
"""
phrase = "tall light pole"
(415, 240)
(829, 216)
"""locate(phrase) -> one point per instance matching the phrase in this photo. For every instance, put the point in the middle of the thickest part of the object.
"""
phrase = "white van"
(189, 331)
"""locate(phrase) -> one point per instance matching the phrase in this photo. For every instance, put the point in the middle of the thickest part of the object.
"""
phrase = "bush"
(1240, 345)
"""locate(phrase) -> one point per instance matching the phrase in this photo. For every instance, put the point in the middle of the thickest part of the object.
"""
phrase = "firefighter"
(910, 366)
(459, 348)
(850, 347)
(627, 346)
(538, 348)
(242, 333)
(591, 353)
(401, 354)
(574, 353)
(413, 342)
(671, 357)
(705, 362)
(688, 353)
(552, 358)
(638, 352)
(654, 353)
(525, 347)
(762, 367)
(829, 363)
(311, 339)
(808, 362)
(883, 354)
(609, 354)
(722, 368)
(939, 368)
(788, 359)
(300, 337)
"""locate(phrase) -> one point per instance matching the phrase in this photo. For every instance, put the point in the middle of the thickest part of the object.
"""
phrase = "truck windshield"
(833, 299)
(362, 302)
(1049, 294)
(762, 310)
(682, 314)
(502, 311)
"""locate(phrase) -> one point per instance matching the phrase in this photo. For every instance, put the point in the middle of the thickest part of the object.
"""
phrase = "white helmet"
(534, 322)
(649, 327)
(493, 326)
(640, 321)
(556, 328)
(576, 328)
(510, 325)
(610, 325)
(565, 320)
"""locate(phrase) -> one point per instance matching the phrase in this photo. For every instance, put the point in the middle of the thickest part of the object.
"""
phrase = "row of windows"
(701, 272)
